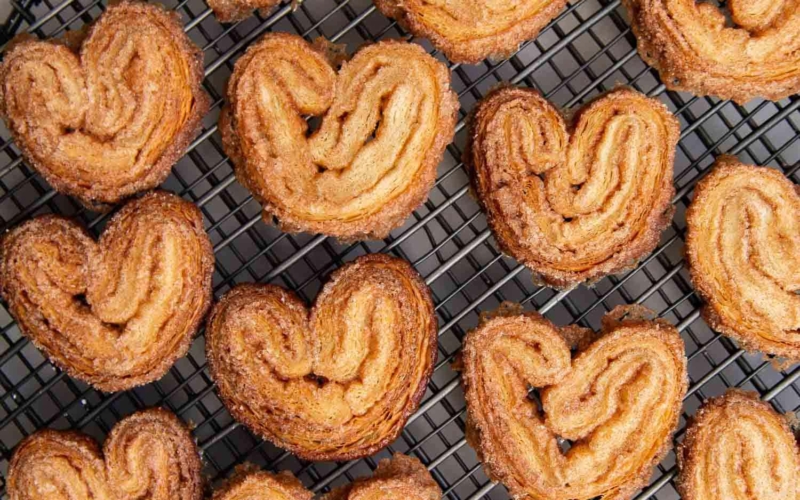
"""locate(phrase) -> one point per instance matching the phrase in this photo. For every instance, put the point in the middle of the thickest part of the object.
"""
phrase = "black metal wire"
(586, 50)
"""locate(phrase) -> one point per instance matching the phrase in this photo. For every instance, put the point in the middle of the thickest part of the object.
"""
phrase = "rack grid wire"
(586, 50)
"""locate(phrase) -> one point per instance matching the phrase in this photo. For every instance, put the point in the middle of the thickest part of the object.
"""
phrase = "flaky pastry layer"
(386, 118)
(119, 312)
(618, 401)
(738, 448)
(695, 49)
(743, 250)
(573, 203)
(334, 383)
(149, 455)
(107, 117)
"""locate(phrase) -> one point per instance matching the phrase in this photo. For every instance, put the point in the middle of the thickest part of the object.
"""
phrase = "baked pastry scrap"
(334, 383)
(235, 10)
(743, 250)
(618, 401)
(119, 312)
(400, 478)
(693, 48)
(468, 31)
(580, 202)
(149, 455)
(108, 118)
(386, 119)
(738, 448)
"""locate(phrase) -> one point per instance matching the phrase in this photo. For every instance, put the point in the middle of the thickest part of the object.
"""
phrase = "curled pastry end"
(338, 382)
(617, 402)
(743, 246)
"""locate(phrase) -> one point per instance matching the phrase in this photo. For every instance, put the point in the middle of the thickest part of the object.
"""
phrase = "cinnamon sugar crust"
(108, 116)
(577, 202)
(696, 50)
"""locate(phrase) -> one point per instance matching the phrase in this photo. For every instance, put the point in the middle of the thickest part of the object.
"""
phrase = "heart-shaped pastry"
(149, 455)
(335, 383)
(738, 448)
(743, 250)
(618, 401)
(111, 117)
(386, 119)
(695, 49)
(235, 10)
(115, 313)
(573, 204)
(468, 31)
(252, 484)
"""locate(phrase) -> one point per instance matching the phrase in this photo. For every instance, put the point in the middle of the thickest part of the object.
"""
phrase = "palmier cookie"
(738, 448)
(119, 312)
(696, 50)
(617, 401)
(107, 117)
(743, 250)
(334, 383)
(386, 119)
(573, 203)
(149, 455)
(468, 31)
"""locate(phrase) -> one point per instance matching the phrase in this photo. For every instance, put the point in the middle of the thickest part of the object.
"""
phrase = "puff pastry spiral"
(618, 401)
(335, 383)
(468, 31)
(115, 313)
(743, 249)
(578, 203)
(694, 49)
(738, 448)
(386, 119)
(399, 478)
(108, 118)
(149, 455)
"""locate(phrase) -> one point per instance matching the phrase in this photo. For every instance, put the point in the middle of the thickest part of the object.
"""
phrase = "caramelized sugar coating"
(693, 48)
(399, 478)
(334, 383)
(115, 313)
(110, 117)
(261, 485)
(618, 400)
(468, 31)
(573, 203)
(386, 119)
(743, 250)
(738, 448)
(149, 455)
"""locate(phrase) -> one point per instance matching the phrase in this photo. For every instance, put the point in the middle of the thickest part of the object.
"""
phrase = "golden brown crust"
(228, 11)
(743, 249)
(335, 383)
(468, 31)
(119, 312)
(693, 50)
(738, 448)
(618, 400)
(387, 117)
(109, 118)
(399, 478)
(526, 166)
(149, 455)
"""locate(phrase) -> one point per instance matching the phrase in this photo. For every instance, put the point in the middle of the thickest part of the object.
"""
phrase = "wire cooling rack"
(588, 49)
